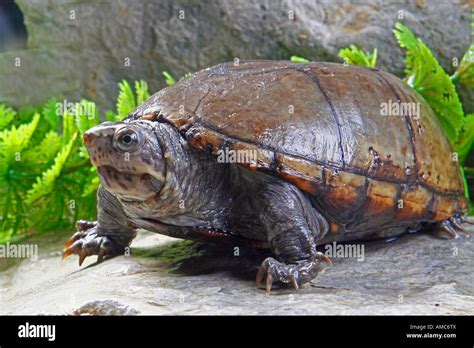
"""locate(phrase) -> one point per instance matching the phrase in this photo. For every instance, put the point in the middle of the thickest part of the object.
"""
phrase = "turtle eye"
(127, 140)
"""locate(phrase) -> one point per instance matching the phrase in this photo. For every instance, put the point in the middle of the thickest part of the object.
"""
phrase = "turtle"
(274, 154)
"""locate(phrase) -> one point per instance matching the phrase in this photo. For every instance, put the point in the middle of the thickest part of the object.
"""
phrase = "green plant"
(355, 56)
(46, 179)
(298, 59)
(170, 80)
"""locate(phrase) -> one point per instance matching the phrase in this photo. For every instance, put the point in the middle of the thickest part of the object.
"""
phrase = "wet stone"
(414, 274)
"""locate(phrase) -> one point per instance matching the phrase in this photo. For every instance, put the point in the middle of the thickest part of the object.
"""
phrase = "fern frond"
(126, 100)
(14, 141)
(45, 184)
(51, 112)
(45, 151)
(141, 90)
(426, 76)
(6, 116)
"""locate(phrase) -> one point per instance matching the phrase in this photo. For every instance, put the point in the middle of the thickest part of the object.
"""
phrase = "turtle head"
(128, 157)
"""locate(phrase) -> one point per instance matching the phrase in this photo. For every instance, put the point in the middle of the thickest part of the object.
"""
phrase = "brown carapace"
(321, 127)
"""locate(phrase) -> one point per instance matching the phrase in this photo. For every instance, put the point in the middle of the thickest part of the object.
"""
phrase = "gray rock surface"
(415, 274)
(78, 48)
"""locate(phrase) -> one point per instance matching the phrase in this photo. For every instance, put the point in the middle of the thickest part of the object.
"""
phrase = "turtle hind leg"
(453, 228)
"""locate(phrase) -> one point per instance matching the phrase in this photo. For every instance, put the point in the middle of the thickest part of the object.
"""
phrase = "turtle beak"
(88, 138)
(102, 130)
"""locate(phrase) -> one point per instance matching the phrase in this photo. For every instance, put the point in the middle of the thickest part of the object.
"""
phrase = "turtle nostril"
(87, 138)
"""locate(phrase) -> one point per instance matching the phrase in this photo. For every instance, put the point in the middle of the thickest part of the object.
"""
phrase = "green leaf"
(426, 76)
(45, 151)
(5, 236)
(466, 186)
(141, 90)
(6, 116)
(298, 59)
(126, 100)
(465, 72)
(69, 128)
(169, 80)
(91, 187)
(86, 115)
(14, 141)
(51, 112)
(45, 184)
(355, 56)
(465, 142)
(111, 116)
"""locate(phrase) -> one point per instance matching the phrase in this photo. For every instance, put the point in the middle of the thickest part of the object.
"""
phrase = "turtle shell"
(320, 127)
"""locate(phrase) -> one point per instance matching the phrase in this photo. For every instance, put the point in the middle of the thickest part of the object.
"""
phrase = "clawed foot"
(85, 242)
(294, 274)
(453, 228)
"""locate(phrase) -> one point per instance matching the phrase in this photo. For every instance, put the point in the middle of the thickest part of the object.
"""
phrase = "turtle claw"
(76, 236)
(294, 274)
(85, 243)
(452, 228)
(82, 256)
(66, 253)
(102, 254)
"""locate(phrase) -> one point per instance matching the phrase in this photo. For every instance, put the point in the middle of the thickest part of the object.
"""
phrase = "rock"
(106, 307)
(415, 274)
(81, 49)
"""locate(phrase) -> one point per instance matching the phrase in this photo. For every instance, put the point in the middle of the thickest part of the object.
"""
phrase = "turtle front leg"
(106, 237)
(292, 225)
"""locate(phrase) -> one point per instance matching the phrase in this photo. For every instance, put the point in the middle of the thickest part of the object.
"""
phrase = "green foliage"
(169, 80)
(12, 143)
(353, 55)
(50, 113)
(298, 59)
(465, 142)
(141, 89)
(465, 72)
(46, 179)
(425, 75)
(186, 75)
(45, 184)
(6, 116)
(127, 100)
